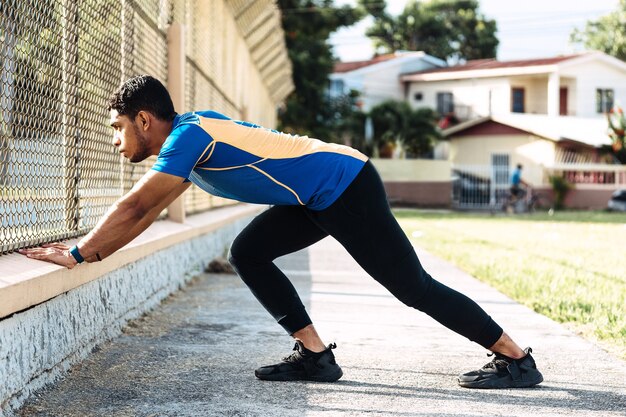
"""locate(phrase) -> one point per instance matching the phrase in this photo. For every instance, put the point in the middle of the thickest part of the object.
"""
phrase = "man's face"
(128, 138)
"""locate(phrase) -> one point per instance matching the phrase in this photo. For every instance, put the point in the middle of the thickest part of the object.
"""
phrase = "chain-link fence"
(59, 62)
(219, 61)
(204, 74)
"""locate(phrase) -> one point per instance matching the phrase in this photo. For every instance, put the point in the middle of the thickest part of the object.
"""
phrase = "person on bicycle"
(517, 191)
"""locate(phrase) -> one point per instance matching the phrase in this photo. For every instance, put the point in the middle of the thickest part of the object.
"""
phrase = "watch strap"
(76, 254)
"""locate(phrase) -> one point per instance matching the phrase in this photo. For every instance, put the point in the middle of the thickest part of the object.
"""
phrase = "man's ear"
(143, 119)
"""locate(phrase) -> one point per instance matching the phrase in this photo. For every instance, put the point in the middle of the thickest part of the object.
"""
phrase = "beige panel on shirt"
(271, 145)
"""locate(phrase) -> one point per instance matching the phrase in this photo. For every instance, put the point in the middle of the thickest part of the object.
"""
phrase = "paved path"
(195, 355)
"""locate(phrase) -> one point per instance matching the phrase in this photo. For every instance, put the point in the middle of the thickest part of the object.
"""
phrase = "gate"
(479, 187)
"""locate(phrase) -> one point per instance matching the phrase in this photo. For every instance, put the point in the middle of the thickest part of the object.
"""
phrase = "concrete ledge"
(54, 317)
(26, 282)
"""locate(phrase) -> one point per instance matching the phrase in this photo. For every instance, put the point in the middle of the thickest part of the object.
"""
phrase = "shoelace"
(296, 356)
(498, 361)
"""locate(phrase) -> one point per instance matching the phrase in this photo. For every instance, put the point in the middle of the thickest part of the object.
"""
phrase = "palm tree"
(397, 124)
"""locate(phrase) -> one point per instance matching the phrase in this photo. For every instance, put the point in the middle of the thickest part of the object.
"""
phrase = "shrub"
(560, 187)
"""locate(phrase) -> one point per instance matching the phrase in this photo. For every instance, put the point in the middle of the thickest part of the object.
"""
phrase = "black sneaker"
(303, 365)
(504, 372)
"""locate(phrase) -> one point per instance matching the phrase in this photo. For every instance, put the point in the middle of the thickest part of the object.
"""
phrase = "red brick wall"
(587, 199)
(420, 194)
(581, 199)
(439, 195)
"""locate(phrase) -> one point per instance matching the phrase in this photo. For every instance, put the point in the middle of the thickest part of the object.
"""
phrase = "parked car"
(617, 201)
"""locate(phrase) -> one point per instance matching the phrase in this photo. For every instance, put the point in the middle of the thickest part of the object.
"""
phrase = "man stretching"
(316, 189)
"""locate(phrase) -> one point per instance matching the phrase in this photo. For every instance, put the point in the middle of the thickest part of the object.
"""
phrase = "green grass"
(570, 266)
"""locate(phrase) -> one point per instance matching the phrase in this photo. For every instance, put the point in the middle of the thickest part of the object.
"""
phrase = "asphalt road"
(195, 355)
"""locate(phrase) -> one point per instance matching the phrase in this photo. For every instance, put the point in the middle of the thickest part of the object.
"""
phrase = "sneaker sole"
(286, 377)
(327, 378)
(502, 383)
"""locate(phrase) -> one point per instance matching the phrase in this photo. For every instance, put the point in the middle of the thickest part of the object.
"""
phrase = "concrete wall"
(419, 194)
(412, 170)
(381, 82)
(588, 198)
(589, 77)
(474, 93)
(416, 182)
(528, 150)
(535, 93)
(579, 198)
(581, 80)
(572, 95)
(384, 84)
(39, 344)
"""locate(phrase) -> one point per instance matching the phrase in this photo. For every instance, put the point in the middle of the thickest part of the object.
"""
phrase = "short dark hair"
(519, 166)
(143, 92)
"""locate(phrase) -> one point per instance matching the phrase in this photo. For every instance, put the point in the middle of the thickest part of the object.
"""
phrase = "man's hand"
(57, 253)
(124, 221)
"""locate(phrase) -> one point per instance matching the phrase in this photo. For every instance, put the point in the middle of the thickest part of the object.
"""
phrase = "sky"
(526, 29)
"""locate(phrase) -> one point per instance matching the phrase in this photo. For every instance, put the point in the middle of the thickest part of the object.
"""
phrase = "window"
(445, 103)
(418, 96)
(336, 87)
(517, 100)
(604, 100)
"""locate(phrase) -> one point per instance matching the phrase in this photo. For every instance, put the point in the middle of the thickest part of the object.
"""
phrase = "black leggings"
(363, 223)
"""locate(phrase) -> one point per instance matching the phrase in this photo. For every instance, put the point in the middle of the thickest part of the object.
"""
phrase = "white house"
(547, 114)
(582, 85)
(483, 152)
(378, 79)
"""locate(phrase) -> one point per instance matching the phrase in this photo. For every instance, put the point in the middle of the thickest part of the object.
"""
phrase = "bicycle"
(526, 200)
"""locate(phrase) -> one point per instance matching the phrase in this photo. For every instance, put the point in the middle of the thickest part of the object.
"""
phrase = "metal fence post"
(176, 87)
(69, 128)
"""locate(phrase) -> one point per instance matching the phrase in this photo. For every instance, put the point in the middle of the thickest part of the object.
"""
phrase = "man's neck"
(162, 131)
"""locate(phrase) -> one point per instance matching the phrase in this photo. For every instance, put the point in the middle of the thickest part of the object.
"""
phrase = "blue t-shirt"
(246, 162)
(516, 177)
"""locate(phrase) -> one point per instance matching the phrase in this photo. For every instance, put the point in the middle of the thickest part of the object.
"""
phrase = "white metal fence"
(487, 187)
(479, 187)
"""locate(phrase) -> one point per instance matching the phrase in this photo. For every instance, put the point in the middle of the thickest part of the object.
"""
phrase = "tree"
(421, 133)
(389, 120)
(450, 30)
(395, 122)
(607, 34)
(617, 133)
(308, 25)
(347, 121)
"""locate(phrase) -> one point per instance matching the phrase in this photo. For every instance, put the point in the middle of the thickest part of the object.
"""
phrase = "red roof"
(351, 66)
(488, 64)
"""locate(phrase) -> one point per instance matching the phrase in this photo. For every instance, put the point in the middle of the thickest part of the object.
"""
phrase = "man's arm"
(140, 226)
(124, 221)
